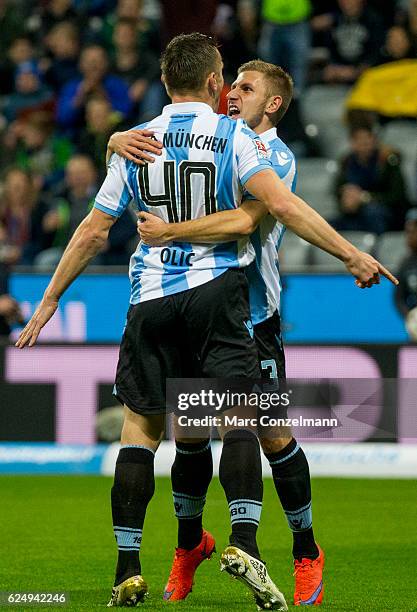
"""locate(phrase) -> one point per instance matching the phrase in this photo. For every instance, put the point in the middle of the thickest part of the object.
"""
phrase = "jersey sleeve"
(115, 194)
(295, 179)
(251, 155)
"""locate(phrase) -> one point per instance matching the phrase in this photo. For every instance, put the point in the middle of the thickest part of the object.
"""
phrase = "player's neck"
(176, 99)
(264, 126)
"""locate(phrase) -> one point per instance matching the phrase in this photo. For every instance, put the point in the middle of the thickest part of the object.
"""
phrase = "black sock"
(133, 488)
(191, 474)
(241, 478)
(292, 482)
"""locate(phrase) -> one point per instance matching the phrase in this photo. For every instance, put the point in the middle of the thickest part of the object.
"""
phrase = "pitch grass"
(56, 536)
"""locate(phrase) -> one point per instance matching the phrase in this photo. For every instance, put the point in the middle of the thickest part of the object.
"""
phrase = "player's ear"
(212, 83)
(274, 104)
(165, 85)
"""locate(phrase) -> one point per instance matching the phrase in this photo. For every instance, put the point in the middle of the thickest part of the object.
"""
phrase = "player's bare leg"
(133, 488)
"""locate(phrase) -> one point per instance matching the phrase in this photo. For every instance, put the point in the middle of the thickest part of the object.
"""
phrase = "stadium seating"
(323, 106)
(391, 249)
(315, 184)
(401, 135)
(294, 252)
(323, 261)
(364, 241)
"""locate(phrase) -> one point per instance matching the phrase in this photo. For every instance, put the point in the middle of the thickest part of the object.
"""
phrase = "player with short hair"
(260, 95)
(187, 290)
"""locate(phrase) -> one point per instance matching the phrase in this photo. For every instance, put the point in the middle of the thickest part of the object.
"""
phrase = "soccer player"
(188, 291)
(261, 95)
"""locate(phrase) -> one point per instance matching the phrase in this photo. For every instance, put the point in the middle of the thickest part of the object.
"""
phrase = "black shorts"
(205, 331)
(268, 340)
(270, 347)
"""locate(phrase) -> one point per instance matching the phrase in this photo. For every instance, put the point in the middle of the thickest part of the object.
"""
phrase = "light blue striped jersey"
(263, 273)
(205, 163)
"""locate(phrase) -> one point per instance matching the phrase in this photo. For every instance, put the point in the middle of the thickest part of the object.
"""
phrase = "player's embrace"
(189, 299)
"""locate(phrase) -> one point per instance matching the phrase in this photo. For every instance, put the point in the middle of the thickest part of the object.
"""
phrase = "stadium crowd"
(72, 72)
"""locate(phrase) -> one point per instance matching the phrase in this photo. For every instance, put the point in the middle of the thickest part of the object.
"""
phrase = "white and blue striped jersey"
(206, 160)
(263, 273)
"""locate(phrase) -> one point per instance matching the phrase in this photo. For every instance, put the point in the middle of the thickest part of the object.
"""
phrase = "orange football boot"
(309, 581)
(181, 578)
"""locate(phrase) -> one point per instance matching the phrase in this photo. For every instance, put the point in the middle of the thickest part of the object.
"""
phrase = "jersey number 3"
(183, 208)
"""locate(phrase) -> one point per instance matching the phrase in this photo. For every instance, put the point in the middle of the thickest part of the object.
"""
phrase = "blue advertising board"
(316, 308)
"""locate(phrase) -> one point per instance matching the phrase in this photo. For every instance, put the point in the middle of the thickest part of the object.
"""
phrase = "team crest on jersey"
(262, 152)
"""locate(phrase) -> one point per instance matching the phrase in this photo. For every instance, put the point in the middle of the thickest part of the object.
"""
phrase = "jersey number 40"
(193, 198)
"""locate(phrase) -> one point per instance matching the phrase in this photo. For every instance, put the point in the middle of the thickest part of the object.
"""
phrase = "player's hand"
(40, 318)
(137, 145)
(152, 229)
(367, 270)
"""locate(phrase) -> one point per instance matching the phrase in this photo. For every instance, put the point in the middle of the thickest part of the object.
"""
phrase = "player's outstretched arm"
(137, 145)
(87, 241)
(304, 221)
(223, 226)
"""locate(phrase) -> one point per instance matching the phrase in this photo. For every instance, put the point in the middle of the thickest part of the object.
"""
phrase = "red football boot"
(309, 581)
(186, 562)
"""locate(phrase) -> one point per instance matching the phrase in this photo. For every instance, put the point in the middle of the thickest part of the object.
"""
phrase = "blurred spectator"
(354, 35)
(71, 205)
(386, 10)
(147, 31)
(94, 80)
(21, 235)
(406, 16)
(213, 18)
(20, 51)
(29, 95)
(11, 25)
(412, 17)
(185, 16)
(93, 7)
(235, 28)
(398, 45)
(9, 308)
(33, 145)
(46, 15)
(285, 37)
(370, 186)
(101, 122)
(140, 70)
(247, 17)
(63, 45)
(406, 291)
